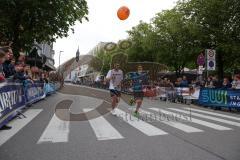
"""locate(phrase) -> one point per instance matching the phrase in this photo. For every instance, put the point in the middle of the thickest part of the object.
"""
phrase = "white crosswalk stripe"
(18, 124)
(208, 117)
(140, 125)
(214, 113)
(57, 131)
(194, 120)
(103, 129)
(174, 124)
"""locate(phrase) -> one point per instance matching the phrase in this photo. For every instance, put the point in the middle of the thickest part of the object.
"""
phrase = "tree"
(121, 59)
(102, 61)
(175, 40)
(141, 49)
(219, 24)
(25, 21)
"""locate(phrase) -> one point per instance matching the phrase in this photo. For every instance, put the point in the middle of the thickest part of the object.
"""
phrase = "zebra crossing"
(58, 131)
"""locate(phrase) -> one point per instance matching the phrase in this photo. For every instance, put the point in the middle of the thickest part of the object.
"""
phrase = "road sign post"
(210, 55)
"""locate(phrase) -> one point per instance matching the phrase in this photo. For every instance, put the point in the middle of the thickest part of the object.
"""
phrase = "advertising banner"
(34, 92)
(220, 97)
(11, 99)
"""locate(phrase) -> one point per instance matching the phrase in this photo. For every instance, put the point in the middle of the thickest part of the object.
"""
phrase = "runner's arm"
(109, 76)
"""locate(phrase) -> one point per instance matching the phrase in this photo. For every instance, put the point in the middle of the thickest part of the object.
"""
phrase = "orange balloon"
(123, 13)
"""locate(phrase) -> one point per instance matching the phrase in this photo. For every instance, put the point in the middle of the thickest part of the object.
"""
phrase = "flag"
(77, 55)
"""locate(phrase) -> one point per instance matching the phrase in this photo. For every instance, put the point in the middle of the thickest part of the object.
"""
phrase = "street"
(198, 133)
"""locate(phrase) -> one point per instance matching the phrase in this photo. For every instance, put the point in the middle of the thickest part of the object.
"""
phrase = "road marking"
(208, 117)
(56, 131)
(194, 120)
(139, 124)
(213, 113)
(18, 124)
(175, 124)
(103, 129)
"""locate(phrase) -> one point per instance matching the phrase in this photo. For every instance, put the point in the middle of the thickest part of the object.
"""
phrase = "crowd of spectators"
(211, 82)
(226, 83)
(183, 82)
(17, 69)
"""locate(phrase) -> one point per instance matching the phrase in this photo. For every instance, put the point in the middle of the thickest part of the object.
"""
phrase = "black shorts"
(138, 95)
(114, 92)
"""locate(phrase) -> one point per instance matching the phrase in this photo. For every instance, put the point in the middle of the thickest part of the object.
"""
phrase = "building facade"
(97, 48)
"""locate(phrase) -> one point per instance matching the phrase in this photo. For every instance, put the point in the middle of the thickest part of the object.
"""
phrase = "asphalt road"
(180, 132)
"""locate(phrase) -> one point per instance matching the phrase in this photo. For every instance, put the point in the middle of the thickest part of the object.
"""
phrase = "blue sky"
(103, 24)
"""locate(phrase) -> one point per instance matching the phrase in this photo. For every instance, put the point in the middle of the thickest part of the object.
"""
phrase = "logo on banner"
(214, 96)
(9, 99)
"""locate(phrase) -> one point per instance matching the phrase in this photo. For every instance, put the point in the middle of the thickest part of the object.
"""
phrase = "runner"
(115, 76)
(138, 79)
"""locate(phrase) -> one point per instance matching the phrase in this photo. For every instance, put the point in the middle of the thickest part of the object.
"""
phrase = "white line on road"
(18, 124)
(208, 117)
(194, 120)
(139, 124)
(175, 124)
(56, 131)
(214, 113)
(103, 129)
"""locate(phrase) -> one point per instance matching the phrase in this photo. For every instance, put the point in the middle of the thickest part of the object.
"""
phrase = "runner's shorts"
(114, 92)
(138, 95)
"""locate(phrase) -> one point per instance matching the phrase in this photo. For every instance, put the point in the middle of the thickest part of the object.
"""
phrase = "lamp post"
(59, 61)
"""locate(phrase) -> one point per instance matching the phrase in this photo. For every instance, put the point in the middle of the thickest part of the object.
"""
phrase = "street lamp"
(59, 61)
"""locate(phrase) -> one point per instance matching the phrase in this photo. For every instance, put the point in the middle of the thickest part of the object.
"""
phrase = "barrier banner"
(49, 88)
(34, 92)
(11, 99)
(14, 95)
(219, 97)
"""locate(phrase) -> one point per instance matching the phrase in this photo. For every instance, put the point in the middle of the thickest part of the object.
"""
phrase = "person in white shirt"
(236, 82)
(115, 77)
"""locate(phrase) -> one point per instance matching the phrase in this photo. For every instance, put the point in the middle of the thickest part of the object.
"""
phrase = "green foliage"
(121, 59)
(176, 37)
(219, 23)
(142, 49)
(26, 21)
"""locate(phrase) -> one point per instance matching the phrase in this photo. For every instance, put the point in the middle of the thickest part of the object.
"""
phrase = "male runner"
(115, 76)
(138, 79)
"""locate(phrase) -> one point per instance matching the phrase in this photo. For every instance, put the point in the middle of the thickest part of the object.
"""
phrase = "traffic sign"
(201, 59)
(211, 59)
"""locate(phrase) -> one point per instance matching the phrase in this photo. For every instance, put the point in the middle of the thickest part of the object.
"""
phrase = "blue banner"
(49, 88)
(15, 95)
(11, 99)
(219, 97)
(34, 92)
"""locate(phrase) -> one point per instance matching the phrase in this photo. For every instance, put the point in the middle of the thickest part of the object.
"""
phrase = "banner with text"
(11, 99)
(220, 97)
(15, 95)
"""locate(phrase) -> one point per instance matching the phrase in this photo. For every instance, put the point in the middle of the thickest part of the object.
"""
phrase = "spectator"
(43, 78)
(216, 82)
(19, 75)
(236, 82)
(7, 62)
(27, 71)
(2, 59)
(209, 82)
(178, 82)
(12, 67)
(170, 84)
(184, 82)
(226, 84)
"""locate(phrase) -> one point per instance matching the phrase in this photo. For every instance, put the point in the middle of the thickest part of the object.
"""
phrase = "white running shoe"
(113, 112)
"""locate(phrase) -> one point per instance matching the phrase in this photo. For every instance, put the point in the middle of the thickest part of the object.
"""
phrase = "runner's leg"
(139, 104)
(114, 101)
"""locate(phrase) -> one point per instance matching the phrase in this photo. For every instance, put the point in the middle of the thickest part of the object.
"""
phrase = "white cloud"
(104, 25)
